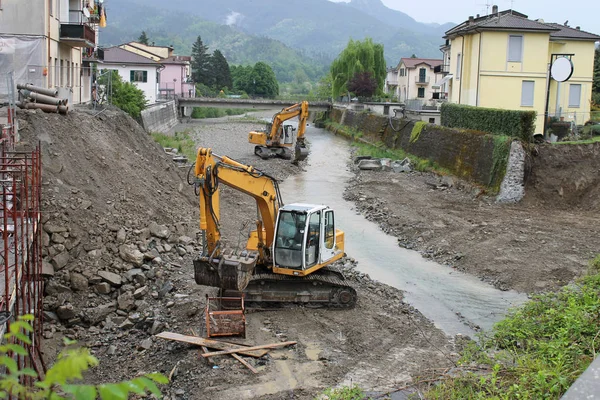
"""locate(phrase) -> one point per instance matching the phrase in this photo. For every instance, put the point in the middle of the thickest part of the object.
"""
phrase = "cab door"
(327, 236)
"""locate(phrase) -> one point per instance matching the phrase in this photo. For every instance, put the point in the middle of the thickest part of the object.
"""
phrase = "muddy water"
(454, 301)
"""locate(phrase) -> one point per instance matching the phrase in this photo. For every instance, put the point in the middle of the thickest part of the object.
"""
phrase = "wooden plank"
(264, 346)
(240, 359)
(213, 344)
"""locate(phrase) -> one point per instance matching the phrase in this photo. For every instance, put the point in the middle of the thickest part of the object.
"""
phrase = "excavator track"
(326, 288)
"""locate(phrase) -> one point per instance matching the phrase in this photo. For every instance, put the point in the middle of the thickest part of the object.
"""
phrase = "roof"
(413, 62)
(504, 20)
(176, 60)
(151, 45)
(117, 55)
(566, 32)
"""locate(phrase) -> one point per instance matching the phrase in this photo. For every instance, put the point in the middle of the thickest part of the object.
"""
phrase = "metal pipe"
(30, 87)
(47, 107)
(42, 98)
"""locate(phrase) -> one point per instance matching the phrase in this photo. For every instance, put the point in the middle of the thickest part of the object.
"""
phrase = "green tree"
(124, 95)
(201, 63)
(61, 380)
(596, 84)
(413, 56)
(143, 38)
(323, 90)
(358, 56)
(221, 71)
(264, 81)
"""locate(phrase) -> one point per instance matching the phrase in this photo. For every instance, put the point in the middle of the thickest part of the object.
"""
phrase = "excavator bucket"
(300, 152)
(226, 271)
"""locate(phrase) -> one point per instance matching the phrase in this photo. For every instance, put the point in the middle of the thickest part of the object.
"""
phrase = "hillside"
(306, 34)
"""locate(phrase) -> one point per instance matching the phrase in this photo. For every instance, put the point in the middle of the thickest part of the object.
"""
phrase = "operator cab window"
(329, 230)
(312, 239)
(288, 239)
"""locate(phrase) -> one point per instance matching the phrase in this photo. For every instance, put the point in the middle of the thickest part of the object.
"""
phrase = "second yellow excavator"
(287, 256)
(278, 138)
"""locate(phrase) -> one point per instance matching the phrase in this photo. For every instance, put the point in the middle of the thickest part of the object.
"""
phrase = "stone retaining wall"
(160, 117)
(468, 155)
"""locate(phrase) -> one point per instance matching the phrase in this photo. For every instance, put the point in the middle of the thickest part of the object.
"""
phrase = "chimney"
(471, 20)
(477, 16)
(578, 28)
(494, 9)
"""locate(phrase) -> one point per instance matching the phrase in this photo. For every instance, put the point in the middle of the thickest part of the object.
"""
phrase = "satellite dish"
(86, 12)
(561, 69)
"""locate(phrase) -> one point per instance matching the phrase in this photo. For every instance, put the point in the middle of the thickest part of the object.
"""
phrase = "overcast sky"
(584, 13)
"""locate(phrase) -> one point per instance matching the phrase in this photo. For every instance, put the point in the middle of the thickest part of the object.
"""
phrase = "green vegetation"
(519, 124)
(344, 393)
(358, 57)
(416, 131)
(124, 95)
(143, 38)
(537, 351)
(499, 160)
(257, 80)
(61, 380)
(181, 141)
(586, 141)
(214, 112)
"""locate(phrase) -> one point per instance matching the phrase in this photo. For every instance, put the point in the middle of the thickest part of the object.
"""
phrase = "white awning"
(439, 83)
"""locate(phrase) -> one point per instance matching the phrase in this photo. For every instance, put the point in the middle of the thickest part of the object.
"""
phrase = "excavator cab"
(305, 238)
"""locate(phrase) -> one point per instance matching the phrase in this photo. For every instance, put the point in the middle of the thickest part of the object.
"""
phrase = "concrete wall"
(160, 117)
(467, 155)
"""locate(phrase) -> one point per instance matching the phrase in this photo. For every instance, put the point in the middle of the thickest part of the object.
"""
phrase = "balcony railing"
(422, 80)
(392, 82)
(442, 69)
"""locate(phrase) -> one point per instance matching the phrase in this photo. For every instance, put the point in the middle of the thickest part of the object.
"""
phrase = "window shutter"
(574, 95)
(527, 93)
(131, 76)
(515, 47)
(145, 77)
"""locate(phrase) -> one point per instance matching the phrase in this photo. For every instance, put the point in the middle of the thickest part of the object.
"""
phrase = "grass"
(595, 116)
(180, 141)
(537, 352)
(586, 141)
(214, 112)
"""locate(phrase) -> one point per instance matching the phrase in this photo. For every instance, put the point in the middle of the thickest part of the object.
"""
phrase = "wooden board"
(213, 344)
(240, 359)
(264, 346)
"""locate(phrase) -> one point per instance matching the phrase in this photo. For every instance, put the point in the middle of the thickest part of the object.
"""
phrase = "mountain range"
(290, 35)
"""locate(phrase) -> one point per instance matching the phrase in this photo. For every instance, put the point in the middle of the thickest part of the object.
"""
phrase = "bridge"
(259, 104)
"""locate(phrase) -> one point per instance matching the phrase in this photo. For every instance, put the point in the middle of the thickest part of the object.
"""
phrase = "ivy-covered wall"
(473, 156)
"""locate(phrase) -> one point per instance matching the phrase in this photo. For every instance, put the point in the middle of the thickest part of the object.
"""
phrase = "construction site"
(101, 230)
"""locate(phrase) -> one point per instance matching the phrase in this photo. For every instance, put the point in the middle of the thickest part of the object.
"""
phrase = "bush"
(124, 95)
(520, 124)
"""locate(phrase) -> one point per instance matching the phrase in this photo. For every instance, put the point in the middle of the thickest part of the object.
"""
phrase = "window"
(432, 120)
(329, 230)
(515, 48)
(422, 74)
(421, 93)
(50, 7)
(138, 76)
(527, 93)
(574, 95)
(401, 71)
(458, 65)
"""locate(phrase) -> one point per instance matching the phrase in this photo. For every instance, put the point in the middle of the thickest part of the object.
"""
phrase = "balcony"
(442, 69)
(77, 35)
(422, 80)
(392, 82)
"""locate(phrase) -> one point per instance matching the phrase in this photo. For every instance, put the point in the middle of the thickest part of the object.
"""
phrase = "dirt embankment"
(120, 235)
(538, 245)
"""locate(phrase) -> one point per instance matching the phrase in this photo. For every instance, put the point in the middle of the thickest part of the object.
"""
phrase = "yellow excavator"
(287, 256)
(278, 138)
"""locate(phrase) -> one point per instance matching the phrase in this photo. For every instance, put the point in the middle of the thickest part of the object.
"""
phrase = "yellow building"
(503, 60)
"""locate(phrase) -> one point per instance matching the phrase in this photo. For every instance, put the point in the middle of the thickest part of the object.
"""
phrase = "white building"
(141, 71)
(45, 42)
(414, 79)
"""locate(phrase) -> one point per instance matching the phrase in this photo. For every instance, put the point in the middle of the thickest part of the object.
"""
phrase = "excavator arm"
(216, 267)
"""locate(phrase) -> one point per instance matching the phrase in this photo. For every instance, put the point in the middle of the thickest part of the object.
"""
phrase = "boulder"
(53, 228)
(131, 254)
(126, 301)
(95, 315)
(141, 292)
(159, 231)
(59, 261)
(102, 288)
(47, 269)
(370, 164)
(402, 165)
(112, 278)
(78, 282)
(121, 236)
(65, 312)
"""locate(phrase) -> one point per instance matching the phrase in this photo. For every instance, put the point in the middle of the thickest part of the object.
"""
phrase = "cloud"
(233, 18)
